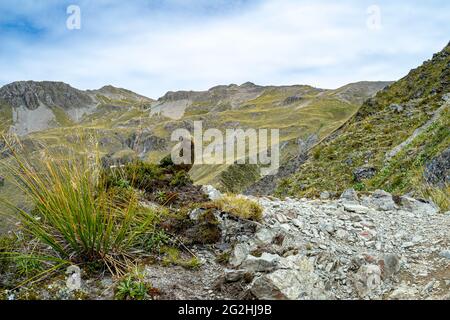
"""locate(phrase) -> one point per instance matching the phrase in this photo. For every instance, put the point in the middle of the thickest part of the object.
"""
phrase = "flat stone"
(356, 208)
(267, 262)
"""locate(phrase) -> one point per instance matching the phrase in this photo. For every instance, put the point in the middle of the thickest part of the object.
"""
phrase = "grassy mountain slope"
(394, 135)
(128, 125)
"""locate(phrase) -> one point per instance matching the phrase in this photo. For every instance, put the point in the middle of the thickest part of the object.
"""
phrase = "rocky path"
(351, 248)
(369, 247)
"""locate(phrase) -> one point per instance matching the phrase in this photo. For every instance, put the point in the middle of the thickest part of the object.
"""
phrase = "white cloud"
(275, 42)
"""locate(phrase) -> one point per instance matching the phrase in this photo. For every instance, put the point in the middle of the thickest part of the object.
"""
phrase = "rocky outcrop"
(145, 142)
(364, 173)
(437, 171)
(32, 94)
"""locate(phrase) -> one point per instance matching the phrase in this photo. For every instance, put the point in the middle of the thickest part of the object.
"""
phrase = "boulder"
(325, 195)
(356, 208)
(418, 206)
(364, 173)
(266, 263)
(404, 292)
(196, 213)
(349, 195)
(212, 192)
(298, 284)
(382, 200)
(265, 236)
(238, 255)
(234, 275)
(367, 279)
(437, 171)
(389, 265)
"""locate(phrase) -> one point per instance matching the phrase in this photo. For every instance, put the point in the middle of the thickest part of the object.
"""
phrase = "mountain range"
(128, 125)
(364, 135)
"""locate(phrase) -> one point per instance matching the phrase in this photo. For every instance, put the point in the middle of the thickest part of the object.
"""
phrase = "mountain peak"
(32, 94)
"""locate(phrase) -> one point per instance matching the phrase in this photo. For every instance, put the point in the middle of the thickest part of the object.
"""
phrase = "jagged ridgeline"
(129, 126)
(398, 141)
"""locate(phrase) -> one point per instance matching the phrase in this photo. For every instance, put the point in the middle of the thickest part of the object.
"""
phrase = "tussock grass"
(240, 207)
(75, 215)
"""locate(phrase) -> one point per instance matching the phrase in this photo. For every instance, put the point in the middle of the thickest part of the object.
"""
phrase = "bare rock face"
(145, 142)
(33, 104)
(364, 173)
(437, 171)
(32, 94)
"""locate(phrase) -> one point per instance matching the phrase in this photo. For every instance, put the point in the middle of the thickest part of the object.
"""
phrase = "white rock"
(356, 208)
(265, 236)
(212, 192)
(267, 262)
(297, 223)
(367, 279)
(404, 292)
(240, 252)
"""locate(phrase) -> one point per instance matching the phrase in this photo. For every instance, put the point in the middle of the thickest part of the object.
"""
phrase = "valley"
(359, 208)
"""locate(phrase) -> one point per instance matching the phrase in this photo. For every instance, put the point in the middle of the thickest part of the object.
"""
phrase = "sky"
(155, 46)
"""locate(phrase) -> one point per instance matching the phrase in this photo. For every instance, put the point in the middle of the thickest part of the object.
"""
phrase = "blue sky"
(155, 46)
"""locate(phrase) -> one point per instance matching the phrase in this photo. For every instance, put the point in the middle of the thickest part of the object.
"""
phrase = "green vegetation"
(133, 287)
(173, 256)
(76, 214)
(375, 131)
(8, 244)
(137, 174)
(240, 207)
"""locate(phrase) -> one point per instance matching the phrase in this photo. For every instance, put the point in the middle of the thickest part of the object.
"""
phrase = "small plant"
(75, 212)
(180, 179)
(240, 207)
(143, 175)
(124, 184)
(137, 174)
(316, 154)
(224, 257)
(27, 266)
(133, 287)
(161, 196)
(7, 246)
(173, 257)
(360, 186)
(156, 240)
